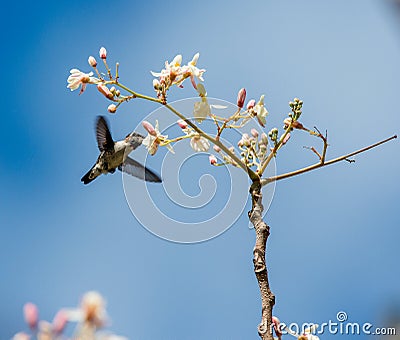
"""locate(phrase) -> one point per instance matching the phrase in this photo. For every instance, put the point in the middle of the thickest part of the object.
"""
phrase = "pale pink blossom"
(78, 78)
(31, 314)
(93, 308)
(199, 144)
(154, 138)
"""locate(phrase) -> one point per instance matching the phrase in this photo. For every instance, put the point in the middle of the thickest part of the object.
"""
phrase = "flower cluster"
(90, 316)
(253, 148)
(175, 73)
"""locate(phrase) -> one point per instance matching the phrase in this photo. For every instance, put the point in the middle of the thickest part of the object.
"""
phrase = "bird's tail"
(89, 176)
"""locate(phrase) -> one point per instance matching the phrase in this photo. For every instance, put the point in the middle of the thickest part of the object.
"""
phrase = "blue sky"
(335, 232)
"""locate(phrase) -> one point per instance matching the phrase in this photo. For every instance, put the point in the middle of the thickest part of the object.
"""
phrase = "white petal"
(218, 107)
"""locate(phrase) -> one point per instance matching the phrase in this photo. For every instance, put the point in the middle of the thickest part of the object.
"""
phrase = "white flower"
(78, 78)
(190, 70)
(199, 144)
(201, 110)
(154, 138)
(260, 111)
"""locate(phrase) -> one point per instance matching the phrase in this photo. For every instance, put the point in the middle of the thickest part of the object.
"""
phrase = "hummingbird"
(114, 155)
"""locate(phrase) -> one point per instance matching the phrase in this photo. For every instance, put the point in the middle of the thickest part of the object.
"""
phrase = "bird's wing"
(134, 168)
(103, 135)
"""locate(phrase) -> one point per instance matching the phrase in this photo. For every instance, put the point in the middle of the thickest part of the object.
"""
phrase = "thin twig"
(265, 181)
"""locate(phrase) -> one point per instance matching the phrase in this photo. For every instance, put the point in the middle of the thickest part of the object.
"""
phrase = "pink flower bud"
(216, 148)
(241, 97)
(276, 323)
(251, 104)
(59, 322)
(105, 91)
(112, 108)
(31, 314)
(254, 133)
(149, 128)
(182, 124)
(103, 53)
(92, 62)
(213, 160)
(287, 137)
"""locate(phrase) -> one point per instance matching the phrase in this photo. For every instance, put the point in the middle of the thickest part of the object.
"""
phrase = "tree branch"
(260, 267)
(323, 163)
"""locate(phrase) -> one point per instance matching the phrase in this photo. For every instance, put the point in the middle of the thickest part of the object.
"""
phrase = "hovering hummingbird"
(114, 155)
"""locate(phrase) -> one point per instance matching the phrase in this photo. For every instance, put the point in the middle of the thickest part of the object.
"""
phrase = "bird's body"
(114, 155)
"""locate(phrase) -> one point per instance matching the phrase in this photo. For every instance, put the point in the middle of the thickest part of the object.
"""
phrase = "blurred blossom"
(254, 133)
(93, 308)
(31, 315)
(60, 321)
(21, 336)
(199, 144)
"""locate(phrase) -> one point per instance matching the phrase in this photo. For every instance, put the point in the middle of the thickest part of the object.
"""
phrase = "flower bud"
(103, 53)
(117, 93)
(276, 323)
(105, 91)
(287, 137)
(31, 314)
(251, 104)
(241, 97)
(112, 108)
(182, 124)
(92, 62)
(216, 148)
(254, 133)
(149, 128)
(213, 160)
(59, 322)
(113, 89)
(264, 138)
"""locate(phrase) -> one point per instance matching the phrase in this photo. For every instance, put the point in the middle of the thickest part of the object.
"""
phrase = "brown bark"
(260, 267)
